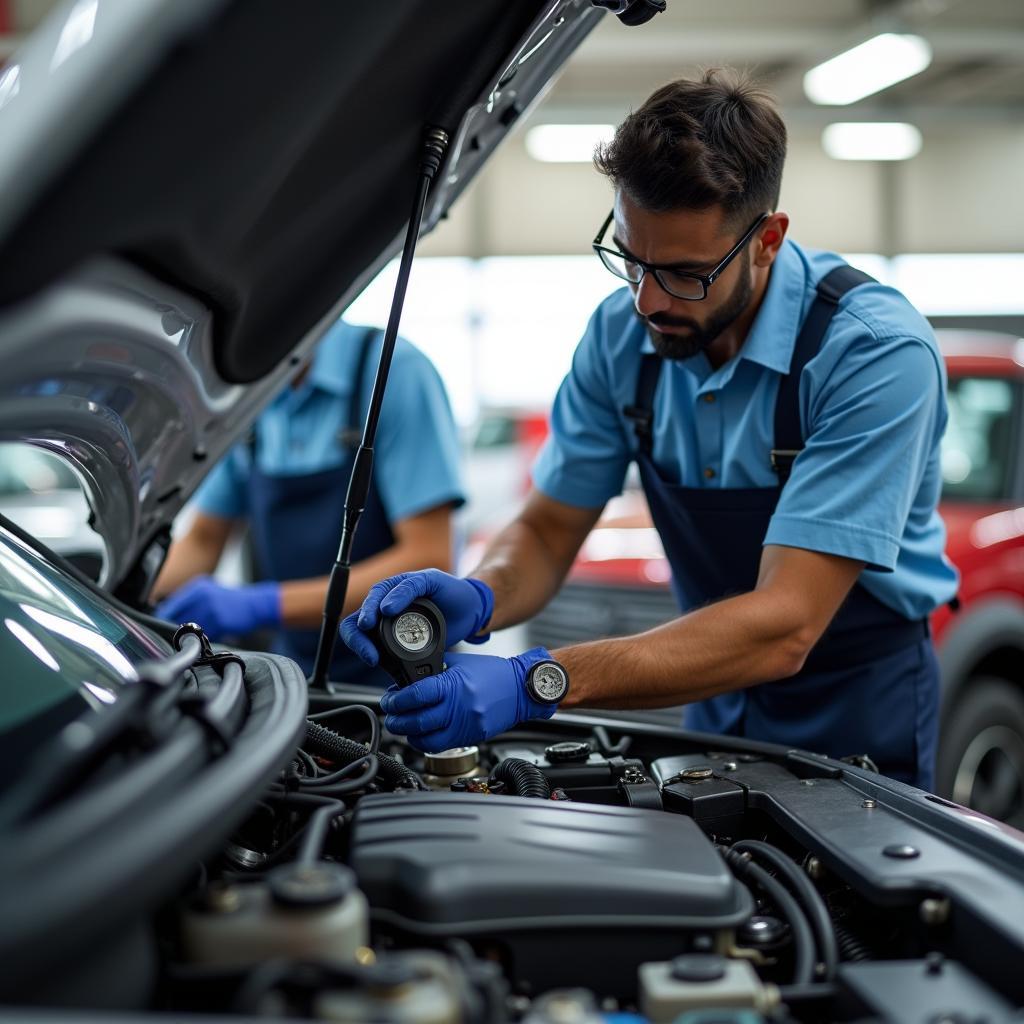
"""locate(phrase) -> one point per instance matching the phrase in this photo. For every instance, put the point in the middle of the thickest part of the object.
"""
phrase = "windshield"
(976, 448)
(64, 651)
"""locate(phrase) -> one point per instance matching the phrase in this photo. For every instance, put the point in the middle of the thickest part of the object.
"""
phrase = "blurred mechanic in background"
(785, 411)
(289, 481)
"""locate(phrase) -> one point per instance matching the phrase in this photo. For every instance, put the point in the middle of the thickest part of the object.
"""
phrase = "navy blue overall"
(870, 685)
(295, 524)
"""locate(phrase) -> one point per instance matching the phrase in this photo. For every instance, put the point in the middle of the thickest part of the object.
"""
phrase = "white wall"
(962, 193)
(965, 192)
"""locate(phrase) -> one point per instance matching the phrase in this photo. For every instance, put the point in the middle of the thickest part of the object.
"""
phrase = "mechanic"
(787, 435)
(289, 482)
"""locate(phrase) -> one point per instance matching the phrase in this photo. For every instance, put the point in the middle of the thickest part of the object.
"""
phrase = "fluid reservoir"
(446, 766)
(432, 995)
(301, 910)
(701, 982)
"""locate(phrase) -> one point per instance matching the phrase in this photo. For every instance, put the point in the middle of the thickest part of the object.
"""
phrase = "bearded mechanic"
(785, 412)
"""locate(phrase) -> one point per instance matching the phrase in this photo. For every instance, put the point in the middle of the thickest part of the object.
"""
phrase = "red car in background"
(620, 582)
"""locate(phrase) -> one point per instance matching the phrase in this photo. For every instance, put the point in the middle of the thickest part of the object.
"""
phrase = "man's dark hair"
(718, 141)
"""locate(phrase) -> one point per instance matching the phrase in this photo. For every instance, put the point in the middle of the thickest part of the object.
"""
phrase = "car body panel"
(205, 215)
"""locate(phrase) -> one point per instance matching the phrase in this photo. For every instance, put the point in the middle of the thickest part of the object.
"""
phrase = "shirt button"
(709, 397)
(709, 473)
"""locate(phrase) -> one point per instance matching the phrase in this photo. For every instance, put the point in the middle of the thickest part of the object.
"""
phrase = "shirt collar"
(772, 335)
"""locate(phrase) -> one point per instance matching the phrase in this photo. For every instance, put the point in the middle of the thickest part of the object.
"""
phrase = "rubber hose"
(850, 947)
(803, 937)
(522, 778)
(806, 895)
(327, 743)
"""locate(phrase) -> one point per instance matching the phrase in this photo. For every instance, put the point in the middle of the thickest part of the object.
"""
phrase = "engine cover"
(535, 876)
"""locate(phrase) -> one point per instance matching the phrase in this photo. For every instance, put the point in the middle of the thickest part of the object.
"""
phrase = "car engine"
(583, 869)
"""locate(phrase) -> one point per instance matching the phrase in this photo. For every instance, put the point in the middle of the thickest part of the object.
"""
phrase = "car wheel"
(981, 755)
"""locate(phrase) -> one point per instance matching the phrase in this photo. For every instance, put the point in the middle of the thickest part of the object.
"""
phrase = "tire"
(981, 753)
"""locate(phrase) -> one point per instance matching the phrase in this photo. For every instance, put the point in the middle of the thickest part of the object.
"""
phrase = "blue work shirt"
(872, 408)
(416, 452)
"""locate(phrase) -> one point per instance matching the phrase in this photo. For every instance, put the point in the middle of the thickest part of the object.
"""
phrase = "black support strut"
(434, 147)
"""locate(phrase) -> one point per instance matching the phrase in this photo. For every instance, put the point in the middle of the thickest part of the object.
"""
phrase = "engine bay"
(587, 868)
(572, 874)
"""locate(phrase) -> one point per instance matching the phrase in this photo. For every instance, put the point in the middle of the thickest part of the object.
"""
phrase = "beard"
(699, 337)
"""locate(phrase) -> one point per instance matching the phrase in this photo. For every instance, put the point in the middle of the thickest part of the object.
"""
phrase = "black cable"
(221, 705)
(327, 743)
(164, 673)
(522, 778)
(273, 858)
(322, 716)
(789, 994)
(803, 937)
(315, 832)
(851, 948)
(806, 894)
(331, 782)
(312, 769)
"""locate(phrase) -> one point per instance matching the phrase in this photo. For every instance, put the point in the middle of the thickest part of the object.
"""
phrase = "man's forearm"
(193, 555)
(523, 572)
(302, 601)
(726, 646)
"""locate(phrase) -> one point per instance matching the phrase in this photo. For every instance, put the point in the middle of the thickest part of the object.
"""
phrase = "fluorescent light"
(566, 143)
(866, 69)
(871, 140)
(961, 284)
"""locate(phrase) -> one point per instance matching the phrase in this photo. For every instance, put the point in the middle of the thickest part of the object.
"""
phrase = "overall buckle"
(783, 458)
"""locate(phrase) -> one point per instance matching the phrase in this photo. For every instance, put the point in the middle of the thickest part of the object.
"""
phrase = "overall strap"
(353, 431)
(641, 412)
(789, 436)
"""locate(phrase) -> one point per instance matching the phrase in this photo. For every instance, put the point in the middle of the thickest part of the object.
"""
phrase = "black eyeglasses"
(681, 284)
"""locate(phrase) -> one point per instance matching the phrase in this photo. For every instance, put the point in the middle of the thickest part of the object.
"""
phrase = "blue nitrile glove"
(475, 698)
(466, 604)
(224, 611)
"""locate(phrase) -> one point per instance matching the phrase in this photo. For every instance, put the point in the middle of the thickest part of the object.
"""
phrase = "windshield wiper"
(134, 718)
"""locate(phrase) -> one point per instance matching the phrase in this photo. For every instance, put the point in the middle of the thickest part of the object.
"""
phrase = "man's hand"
(224, 611)
(466, 604)
(475, 698)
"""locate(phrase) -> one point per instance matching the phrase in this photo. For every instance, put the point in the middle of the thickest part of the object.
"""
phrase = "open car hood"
(193, 190)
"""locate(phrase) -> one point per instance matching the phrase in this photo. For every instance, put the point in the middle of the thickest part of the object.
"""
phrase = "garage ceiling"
(978, 46)
(978, 66)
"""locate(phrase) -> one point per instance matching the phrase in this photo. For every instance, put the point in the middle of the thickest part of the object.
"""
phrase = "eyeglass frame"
(706, 280)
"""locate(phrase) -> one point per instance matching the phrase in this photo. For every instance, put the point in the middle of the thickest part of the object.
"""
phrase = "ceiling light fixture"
(871, 140)
(566, 143)
(868, 68)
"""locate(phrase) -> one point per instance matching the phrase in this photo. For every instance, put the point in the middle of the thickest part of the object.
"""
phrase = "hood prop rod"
(434, 148)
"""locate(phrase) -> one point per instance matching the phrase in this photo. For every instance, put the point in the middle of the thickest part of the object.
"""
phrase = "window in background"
(976, 448)
(40, 493)
(961, 284)
(502, 330)
(439, 317)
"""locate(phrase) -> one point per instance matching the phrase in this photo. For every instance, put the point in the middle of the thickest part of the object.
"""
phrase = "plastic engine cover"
(441, 863)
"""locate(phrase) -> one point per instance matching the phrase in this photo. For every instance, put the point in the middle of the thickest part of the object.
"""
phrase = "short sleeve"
(584, 460)
(225, 491)
(873, 424)
(416, 457)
